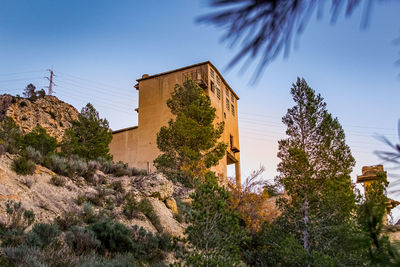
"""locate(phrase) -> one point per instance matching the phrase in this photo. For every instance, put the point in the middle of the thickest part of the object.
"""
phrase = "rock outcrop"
(48, 112)
(155, 185)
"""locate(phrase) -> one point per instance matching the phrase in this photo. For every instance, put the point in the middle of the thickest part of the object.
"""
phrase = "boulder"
(168, 224)
(154, 185)
(171, 204)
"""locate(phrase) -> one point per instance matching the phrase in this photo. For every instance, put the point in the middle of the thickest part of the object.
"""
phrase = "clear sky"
(99, 48)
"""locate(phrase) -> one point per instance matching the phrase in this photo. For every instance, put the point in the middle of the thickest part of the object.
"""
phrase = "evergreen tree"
(214, 231)
(40, 141)
(315, 171)
(88, 137)
(189, 144)
(370, 219)
(30, 92)
(10, 135)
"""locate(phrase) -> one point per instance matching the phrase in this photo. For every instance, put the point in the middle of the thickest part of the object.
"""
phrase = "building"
(368, 178)
(137, 145)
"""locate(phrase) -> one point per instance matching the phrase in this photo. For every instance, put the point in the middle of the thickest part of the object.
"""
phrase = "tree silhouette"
(264, 28)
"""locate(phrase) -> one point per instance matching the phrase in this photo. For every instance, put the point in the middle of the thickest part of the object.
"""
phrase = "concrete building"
(137, 145)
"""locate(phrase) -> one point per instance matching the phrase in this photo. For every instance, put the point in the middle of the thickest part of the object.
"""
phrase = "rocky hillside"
(49, 112)
(38, 193)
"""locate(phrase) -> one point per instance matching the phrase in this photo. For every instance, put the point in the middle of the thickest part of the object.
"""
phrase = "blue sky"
(99, 48)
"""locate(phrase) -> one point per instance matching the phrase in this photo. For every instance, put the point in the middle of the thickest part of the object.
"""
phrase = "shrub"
(30, 92)
(19, 218)
(57, 180)
(58, 165)
(81, 240)
(34, 155)
(147, 209)
(42, 234)
(67, 220)
(88, 215)
(185, 210)
(81, 199)
(23, 166)
(131, 206)
(117, 186)
(10, 135)
(119, 260)
(121, 169)
(22, 104)
(28, 181)
(41, 93)
(12, 238)
(40, 140)
(114, 236)
(22, 256)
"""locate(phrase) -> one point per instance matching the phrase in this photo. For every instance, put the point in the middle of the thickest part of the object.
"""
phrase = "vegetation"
(10, 135)
(189, 144)
(88, 137)
(23, 166)
(214, 231)
(39, 140)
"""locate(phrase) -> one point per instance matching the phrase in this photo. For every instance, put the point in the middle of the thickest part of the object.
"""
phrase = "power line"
(21, 79)
(23, 72)
(51, 82)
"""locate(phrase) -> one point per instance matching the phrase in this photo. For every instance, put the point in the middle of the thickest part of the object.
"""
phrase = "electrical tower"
(51, 83)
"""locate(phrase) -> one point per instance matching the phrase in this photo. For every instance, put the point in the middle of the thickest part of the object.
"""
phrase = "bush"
(40, 140)
(131, 206)
(88, 214)
(19, 218)
(119, 260)
(23, 166)
(81, 199)
(57, 180)
(10, 135)
(22, 104)
(81, 240)
(42, 234)
(147, 209)
(67, 220)
(114, 236)
(34, 155)
(117, 187)
(12, 238)
(28, 181)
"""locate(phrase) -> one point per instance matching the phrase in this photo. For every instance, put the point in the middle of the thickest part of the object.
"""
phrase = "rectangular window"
(233, 109)
(218, 93)
(212, 87)
(227, 103)
(231, 142)
(218, 81)
(232, 98)
(227, 92)
(211, 74)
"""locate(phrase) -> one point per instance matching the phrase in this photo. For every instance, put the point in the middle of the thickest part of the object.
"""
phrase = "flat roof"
(188, 67)
(124, 129)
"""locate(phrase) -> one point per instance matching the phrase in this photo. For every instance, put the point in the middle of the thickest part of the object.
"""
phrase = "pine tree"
(189, 144)
(315, 172)
(214, 232)
(88, 137)
(30, 92)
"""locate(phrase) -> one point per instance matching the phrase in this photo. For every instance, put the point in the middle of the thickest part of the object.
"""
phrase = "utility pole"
(51, 83)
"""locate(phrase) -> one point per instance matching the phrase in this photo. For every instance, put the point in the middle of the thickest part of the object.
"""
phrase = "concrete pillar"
(237, 174)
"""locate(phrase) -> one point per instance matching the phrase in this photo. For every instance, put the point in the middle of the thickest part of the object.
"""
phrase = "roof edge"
(124, 129)
(188, 67)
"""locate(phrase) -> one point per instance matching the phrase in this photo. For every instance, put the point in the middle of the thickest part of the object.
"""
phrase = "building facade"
(137, 145)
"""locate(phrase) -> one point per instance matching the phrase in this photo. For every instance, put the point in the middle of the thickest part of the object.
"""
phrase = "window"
(212, 87)
(218, 81)
(231, 142)
(227, 103)
(211, 74)
(218, 93)
(227, 93)
(232, 98)
(233, 109)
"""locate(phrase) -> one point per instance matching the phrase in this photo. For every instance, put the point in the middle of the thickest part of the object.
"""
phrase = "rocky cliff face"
(48, 112)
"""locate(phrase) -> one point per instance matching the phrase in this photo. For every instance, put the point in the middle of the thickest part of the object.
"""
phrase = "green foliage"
(30, 92)
(189, 144)
(34, 155)
(57, 180)
(40, 140)
(131, 206)
(214, 232)
(88, 137)
(315, 171)
(42, 234)
(370, 218)
(23, 166)
(147, 209)
(114, 236)
(81, 240)
(67, 220)
(12, 237)
(10, 135)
